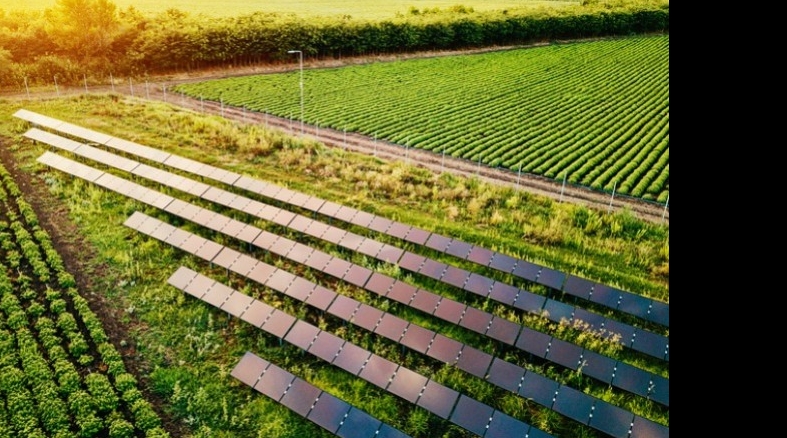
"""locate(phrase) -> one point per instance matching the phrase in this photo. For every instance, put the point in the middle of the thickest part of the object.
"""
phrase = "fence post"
(614, 186)
(563, 189)
(26, 88)
(519, 174)
(112, 82)
(666, 205)
(84, 76)
(131, 87)
(57, 90)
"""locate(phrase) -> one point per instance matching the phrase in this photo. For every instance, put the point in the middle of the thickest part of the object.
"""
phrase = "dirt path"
(160, 89)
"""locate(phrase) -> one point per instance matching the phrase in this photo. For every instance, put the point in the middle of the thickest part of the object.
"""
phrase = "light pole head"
(293, 51)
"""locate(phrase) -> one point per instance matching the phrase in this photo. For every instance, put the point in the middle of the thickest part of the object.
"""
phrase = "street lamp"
(300, 63)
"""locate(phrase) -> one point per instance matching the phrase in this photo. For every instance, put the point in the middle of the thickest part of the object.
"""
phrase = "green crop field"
(594, 114)
(367, 9)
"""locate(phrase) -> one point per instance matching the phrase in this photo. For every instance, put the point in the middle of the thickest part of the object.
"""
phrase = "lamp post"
(300, 63)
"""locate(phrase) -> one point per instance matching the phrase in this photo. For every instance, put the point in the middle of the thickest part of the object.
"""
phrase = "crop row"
(59, 374)
(594, 113)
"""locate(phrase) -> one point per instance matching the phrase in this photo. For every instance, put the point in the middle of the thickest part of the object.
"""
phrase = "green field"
(595, 113)
(186, 348)
(356, 9)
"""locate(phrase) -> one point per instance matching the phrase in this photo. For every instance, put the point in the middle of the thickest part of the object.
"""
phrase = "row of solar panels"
(605, 369)
(611, 297)
(341, 270)
(436, 398)
(638, 339)
(565, 400)
(320, 407)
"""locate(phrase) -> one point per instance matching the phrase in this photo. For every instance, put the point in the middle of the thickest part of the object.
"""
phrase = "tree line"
(80, 40)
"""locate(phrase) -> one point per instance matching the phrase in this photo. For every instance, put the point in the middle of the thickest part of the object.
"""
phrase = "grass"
(309, 8)
(190, 347)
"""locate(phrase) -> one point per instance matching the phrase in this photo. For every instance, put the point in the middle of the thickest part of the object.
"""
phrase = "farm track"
(650, 211)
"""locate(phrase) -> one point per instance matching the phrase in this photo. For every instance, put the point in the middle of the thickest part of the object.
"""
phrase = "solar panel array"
(301, 397)
(574, 404)
(605, 369)
(636, 338)
(327, 411)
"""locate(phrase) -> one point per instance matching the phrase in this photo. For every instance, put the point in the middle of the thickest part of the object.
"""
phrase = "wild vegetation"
(93, 41)
(593, 113)
(190, 346)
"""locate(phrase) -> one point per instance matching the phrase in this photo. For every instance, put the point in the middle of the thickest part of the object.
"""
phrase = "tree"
(84, 29)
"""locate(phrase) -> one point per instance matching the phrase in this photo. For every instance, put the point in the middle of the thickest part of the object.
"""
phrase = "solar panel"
(480, 255)
(503, 330)
(326, 346)
(538, 388)
(527, 270)
(551, 278)
(300, 253)
(631, 378)
(346, 214)
(351, 358)
(432, 269)
(333, 235)
(438, 399)
(558, 310)
(644, 428)
(533, 342)
(444, 349)
(278, 323)
(351, 241)
(598, 366)
(530, 302)
(257, 313)
(391, 327)
(611, 420)
(478, 284)
(300, 288)
(301, 396)
(417, 236)
(503, 293)
(650, 343)
(380, 224)
(329, 208)
(474, 361)
(476, 320)
(321, 297)
(217, 294)
(458, 248)
(182, 277)
(417, 338)
(387, 431)
(449, 310)
(407, 384)
(358, 424)
(313, 204)
(472, 414)
(249, 369)
(318, 260)
(284, 217)
(301, 223)
(370, 247)
(357, 275)
(378, 371)
(425, 301)
(659, 313)
(573, 404)
(301, 334)
(578, 287)
(505, 426)
(455, 276)
(379, 283)
(398, 230)
(390, 254)
(564, 353)
(606, 296)
(438, 242)
(594, 320)
(401, 292)
(411, 262)
(298, 199)
(282, 246)
(274, 382)
(337, 267)
(659, 390)
(236, 304)
(280, 280)
(343, 307)
(367, 316)
(328, 412)
(261, 272)
(503, 262)
(506, 375)
(363, 219)
(226, 257)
